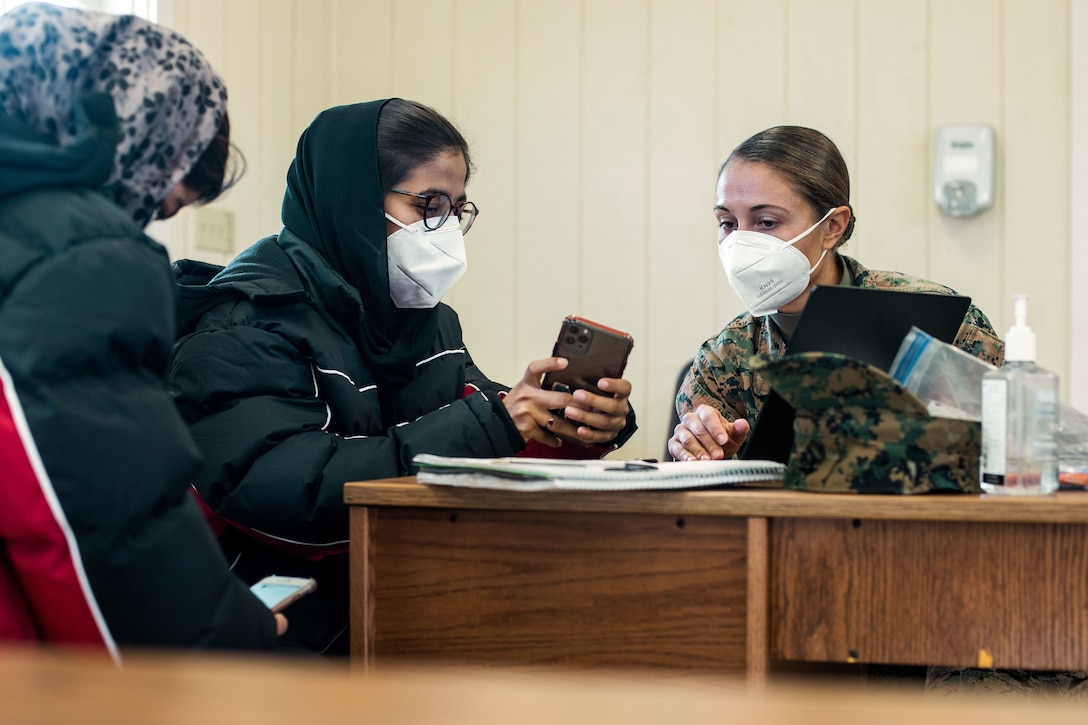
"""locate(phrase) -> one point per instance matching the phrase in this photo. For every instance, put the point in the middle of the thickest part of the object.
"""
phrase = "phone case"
(593, 351)
(277, 592)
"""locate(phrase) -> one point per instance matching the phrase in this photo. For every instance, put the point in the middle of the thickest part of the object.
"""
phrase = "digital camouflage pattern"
(1055, 686)
(721, 375)
(858, 430)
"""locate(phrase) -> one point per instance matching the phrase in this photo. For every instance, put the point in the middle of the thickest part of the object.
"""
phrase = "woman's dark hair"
(411, 134)
(809, 160)
(218, 168)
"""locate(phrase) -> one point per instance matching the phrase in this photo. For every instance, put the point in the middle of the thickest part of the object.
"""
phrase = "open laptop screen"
(865, 323)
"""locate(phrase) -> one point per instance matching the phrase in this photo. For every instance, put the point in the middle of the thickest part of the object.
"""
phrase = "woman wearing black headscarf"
(105, 121)
(322, 355)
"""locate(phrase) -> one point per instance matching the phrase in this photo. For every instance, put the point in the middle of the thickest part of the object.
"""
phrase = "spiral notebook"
(543, 474)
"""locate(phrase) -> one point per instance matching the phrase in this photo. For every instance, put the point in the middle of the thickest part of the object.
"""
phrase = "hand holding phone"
(278, 592)
(593, 351)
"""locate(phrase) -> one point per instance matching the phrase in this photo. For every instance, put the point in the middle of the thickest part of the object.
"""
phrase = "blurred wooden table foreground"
(52, 687)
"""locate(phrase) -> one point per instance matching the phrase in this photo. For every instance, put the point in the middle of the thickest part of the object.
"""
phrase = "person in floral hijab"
(169, 102)
(105, 123)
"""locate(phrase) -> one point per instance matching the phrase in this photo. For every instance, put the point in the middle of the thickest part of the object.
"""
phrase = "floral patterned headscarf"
(168, 100)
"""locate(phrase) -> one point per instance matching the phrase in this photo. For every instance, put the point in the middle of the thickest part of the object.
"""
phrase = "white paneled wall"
(1078, 268)
(598, 127)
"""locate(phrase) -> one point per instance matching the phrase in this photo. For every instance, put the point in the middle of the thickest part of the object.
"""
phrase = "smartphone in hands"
(278, 592)
(593, 351)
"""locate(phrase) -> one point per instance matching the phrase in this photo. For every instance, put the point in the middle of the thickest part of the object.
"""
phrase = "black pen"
(635, 466)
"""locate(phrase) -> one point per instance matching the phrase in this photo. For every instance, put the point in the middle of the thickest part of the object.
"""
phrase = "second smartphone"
(593, 351)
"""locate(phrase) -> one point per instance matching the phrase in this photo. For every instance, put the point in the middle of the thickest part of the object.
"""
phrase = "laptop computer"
(866, 324)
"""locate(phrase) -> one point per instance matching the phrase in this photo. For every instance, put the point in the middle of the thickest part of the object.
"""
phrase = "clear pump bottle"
(1019, 418)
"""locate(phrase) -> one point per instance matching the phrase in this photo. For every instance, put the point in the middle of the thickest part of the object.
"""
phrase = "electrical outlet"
(214, 229)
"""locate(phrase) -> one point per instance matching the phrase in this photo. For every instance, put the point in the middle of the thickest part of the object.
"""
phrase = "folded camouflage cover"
(858, 430)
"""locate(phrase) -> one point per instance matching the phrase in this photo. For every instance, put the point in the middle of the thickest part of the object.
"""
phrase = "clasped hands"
(586, 418)
(704, 434)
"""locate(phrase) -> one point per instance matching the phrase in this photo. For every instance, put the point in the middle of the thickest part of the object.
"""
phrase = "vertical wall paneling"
(1036, 154)
(821, 68)
(890, 173)
(310, 77)
(422, 52)
(278, 54)
(746, 103)
(965, 86)
(359, 39)
(484, 106)
(1078, 304)
(679, 310)
(548, 202)
(614, 127)
(241, 69)
(615, 203)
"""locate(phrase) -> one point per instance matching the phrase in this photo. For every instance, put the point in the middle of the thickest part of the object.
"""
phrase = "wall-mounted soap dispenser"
(964, 169)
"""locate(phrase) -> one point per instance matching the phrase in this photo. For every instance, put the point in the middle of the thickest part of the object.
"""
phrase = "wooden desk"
(716, 581)
(44, 687)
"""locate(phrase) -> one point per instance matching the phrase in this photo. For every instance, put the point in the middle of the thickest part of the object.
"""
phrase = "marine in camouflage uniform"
(721, 374)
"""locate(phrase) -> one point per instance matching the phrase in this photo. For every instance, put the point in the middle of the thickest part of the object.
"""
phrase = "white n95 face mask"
(764, 271)
(423, 265)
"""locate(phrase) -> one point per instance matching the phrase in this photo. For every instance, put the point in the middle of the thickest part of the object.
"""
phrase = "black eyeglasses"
(438, 207)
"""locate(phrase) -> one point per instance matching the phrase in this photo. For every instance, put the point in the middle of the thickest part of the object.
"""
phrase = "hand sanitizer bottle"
(1019, 418)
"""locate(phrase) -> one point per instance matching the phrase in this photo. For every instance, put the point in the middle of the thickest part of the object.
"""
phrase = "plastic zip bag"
(947, 379)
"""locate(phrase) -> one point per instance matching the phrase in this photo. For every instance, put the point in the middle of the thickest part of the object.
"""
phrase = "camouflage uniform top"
(721, 376)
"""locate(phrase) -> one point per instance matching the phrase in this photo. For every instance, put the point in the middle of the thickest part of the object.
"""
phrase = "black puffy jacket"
(284, 408)
(100, 539)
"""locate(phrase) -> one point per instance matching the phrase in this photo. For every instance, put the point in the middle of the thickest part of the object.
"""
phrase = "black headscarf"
(334, 202)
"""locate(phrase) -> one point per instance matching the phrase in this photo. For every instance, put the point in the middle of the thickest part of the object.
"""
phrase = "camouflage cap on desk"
(856, 429)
